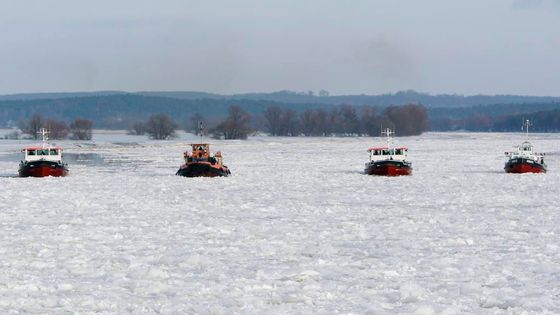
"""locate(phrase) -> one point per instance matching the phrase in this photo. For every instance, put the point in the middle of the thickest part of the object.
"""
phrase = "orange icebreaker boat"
(200, 163)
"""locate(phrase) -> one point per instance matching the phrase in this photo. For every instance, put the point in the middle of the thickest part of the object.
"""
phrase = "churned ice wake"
(297, 228)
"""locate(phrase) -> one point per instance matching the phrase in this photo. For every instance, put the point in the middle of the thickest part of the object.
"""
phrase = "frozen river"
(296, 229)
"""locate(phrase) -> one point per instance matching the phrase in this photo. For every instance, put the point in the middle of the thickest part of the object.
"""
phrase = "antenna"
(526, 124)
(200, 129)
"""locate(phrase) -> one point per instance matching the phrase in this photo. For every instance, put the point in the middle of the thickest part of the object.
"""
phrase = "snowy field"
(297, 229)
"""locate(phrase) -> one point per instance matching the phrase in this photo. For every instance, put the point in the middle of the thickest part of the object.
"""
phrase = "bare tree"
(281, 122)
(349, 123)
(32, 127)
(290, 124)
(333, 122)
(371, 124)
(161, 127)
(273, 117)
(57, 129)
(81, 129)
(315, 122)
(307, 123)
(235, 126)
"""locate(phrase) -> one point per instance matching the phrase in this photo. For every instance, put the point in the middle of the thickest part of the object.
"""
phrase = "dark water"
(84, 158)
(15, 157)
(70, 158)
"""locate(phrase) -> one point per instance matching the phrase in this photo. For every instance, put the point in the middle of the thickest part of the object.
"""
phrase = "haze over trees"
(235, 126)
(409, 119)
(161, 127)
(57, 129)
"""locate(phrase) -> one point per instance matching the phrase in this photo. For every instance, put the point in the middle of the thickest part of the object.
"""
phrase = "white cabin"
(53, 154)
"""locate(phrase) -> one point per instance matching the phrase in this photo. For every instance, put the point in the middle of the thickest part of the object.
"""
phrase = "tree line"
(237, 125)
(79, 129)
(344, 120)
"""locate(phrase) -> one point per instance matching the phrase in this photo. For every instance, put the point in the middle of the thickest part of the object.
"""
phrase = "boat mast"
(45, 135)
(388, 132)
(200, 129)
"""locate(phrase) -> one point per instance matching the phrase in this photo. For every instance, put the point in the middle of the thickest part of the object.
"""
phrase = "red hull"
(519, 168)
(43, 171)
(390, 170)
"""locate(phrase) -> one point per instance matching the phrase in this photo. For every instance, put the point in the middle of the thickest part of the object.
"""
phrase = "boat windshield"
(42, 152)
(397, 151)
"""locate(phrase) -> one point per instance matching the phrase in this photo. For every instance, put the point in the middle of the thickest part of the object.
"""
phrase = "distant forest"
(121, 110)
(545, 117)
(310, 97)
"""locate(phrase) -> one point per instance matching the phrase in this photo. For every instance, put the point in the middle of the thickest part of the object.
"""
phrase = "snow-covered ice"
(297, 228)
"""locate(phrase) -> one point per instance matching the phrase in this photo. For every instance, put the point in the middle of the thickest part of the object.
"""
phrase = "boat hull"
(203, 169)
(520, 166)
(42, 169)
(389, 168)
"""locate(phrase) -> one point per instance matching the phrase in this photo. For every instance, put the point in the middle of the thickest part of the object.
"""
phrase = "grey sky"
(346, 47)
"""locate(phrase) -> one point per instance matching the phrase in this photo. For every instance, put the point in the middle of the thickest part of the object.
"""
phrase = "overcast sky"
(345, 47)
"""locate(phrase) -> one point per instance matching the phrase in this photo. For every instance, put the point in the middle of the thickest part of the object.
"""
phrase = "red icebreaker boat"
(388, 161)
(200, 163)
(42, 161)
(524, 159)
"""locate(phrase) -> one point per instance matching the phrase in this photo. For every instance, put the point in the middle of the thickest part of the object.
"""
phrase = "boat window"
(43, 152)
(54, 152)
(31, 152)
(398, 151)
